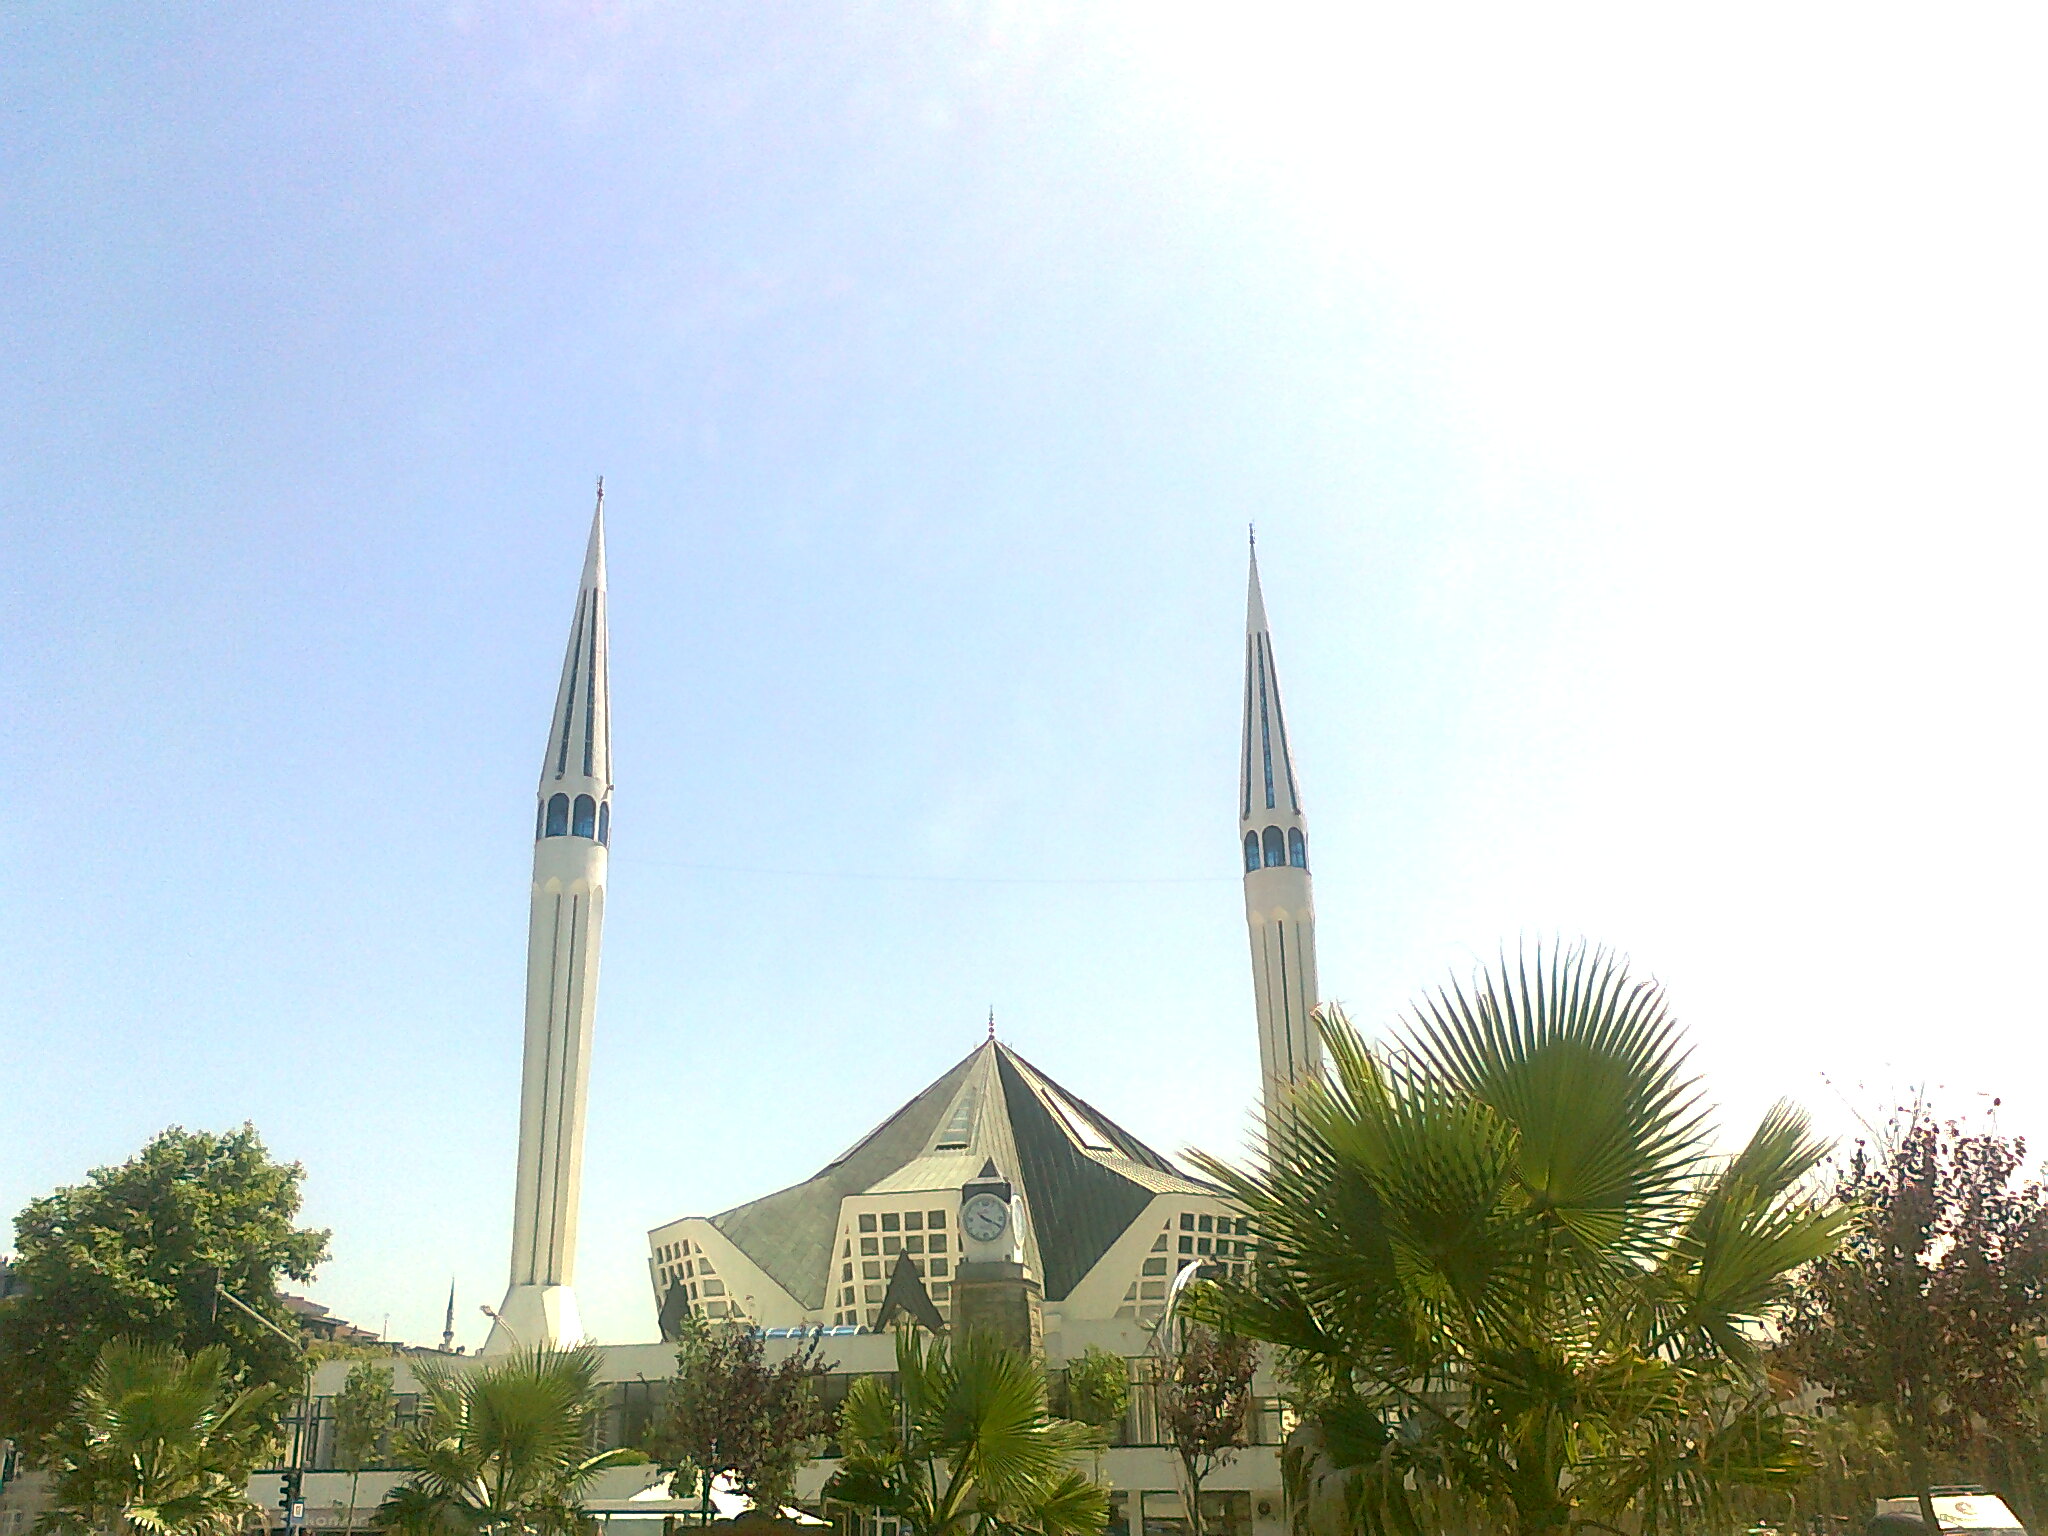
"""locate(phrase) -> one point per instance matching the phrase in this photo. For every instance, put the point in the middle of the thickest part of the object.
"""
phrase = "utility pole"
(291, 1487)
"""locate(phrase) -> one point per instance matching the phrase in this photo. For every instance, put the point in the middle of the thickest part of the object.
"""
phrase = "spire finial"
(991, 1021)
(1251, 529)
(600, 493)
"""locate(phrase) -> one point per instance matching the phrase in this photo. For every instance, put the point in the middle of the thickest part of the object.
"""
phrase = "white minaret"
(572, 833)
(1279, 904)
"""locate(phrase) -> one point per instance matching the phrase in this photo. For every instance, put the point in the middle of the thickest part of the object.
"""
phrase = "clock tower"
(992, 1291)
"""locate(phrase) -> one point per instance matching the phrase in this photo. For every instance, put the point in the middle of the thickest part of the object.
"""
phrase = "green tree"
(157, 1444)
(502, 1444)
(364, 1410)
(1930, 1308)
(964, 1445)
(733, 1414)
(1514, 1287)
(128, 1253)
(1205, 1404)
(1099, 1395)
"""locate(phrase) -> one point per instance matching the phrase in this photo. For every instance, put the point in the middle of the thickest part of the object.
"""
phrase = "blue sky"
(1641, 414)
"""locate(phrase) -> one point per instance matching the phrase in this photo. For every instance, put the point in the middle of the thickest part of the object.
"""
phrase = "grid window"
(913, 1221)
(1187, 1245)
(1187, 1221)
(1203, 1224)
(871, 1293)
(1160, 1246)
(846, 1297)
(1155, 1266)
(846, 1272)
(942, 1292)
(892, 1245)
(891, 1222)
(938, 1266)
(871, 1270)
(869, 1245)
(867, 1221)
(913, 1245)
(935, 1219)
(1152, 1290)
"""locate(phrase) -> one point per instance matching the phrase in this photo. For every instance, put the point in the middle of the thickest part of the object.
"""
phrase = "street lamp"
(499, 1318)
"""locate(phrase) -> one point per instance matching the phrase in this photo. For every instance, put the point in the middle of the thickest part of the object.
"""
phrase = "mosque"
(994, 1191)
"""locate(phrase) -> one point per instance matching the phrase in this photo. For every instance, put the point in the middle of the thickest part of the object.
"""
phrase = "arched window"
(1251, 852)
(586, 818)
(558, 816)
(1276, 850)
(604, 823)
(1297, 848)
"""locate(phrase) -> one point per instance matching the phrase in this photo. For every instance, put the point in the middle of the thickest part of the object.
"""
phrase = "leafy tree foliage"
(1205, 1404)
(500, 1445)
(1515, 1287)
(364, 1411)
(1929, 1310)
(733, 1414)
(157, 1444)
(964, 1445)
(125, 1255)
(1098, 1388)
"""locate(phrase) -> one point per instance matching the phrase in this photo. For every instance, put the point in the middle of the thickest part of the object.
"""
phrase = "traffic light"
(288, 1487)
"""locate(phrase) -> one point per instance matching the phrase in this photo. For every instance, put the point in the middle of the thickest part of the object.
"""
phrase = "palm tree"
(501, 1446)
(158, 1444)
(1515, 1286)
(965, 1446)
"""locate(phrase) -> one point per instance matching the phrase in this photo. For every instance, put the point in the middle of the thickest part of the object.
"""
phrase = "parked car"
(1958, 1509)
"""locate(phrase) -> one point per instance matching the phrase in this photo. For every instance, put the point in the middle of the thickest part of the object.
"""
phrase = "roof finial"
(1251, 529)
(600, 493)
(991, 1021)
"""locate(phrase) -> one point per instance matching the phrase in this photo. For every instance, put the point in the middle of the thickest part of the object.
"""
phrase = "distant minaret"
(448, 1326)
(572, 831)
(1278, 901)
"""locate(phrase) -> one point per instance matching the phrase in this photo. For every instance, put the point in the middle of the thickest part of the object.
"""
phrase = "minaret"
(448, 1326)
(1279, 904)
(572, 833)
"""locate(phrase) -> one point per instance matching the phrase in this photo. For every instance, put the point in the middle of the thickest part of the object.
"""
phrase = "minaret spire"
(448, 1323)
(571, 859)
(1278, 896)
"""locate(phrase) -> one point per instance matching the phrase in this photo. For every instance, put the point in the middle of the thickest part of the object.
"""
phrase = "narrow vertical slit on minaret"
(1246, 778)
(571, 1007)
(1286, 757)
(1265, 724)
(590, 692)
(540, 1151)
(569, 702)
(1286, 999)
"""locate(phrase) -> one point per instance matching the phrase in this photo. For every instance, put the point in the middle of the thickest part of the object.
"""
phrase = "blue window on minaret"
(604, 823)
(586, 817)
(1276, 850)
(1297, 848)
(1251, 852)
(558, 816)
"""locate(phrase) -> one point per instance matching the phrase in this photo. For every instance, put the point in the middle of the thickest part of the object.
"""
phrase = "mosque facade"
(993, 1179)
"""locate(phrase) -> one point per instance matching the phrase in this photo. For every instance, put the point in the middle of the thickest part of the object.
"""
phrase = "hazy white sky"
(1641, 411)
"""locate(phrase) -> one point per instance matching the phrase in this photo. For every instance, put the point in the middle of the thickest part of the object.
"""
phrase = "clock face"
(984, 1218)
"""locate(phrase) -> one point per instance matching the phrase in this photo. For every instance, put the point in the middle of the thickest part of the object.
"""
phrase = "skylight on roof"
(959, 1132)
(1085, 1130)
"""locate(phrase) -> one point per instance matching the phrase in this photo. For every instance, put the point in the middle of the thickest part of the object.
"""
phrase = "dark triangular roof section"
(789, 1233)
(1084, 1176)
(907, 1297)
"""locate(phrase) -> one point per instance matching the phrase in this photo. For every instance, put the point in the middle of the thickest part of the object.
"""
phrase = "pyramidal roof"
(1084, 1178)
